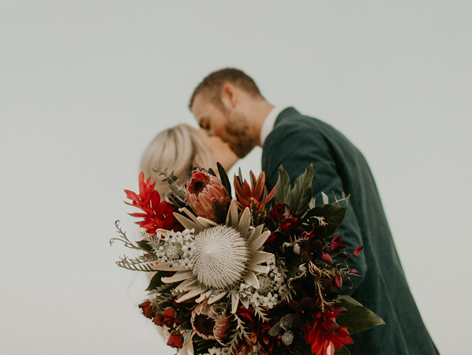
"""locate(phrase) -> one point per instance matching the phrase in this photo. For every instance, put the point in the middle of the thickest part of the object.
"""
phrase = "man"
(228, 104)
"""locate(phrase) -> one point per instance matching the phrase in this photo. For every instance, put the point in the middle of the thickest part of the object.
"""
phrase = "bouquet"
(257, 273)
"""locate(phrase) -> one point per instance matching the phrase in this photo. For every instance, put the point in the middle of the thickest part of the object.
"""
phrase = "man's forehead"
(201, 107)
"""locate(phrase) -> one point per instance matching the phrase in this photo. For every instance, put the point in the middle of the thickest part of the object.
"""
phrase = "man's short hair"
(212, 85)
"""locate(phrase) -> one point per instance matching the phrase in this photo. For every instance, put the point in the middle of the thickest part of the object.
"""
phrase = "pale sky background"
(85, 85)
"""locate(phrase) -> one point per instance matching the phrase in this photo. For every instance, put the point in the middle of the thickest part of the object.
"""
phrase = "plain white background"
(85, 85)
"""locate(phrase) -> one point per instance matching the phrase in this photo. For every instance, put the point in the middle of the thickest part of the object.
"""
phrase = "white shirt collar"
(269, 122)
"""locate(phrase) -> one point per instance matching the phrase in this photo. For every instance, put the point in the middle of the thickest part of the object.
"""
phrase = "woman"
(180, 149)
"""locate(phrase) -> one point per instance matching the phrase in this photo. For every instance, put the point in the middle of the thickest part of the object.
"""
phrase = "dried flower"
(175, 340)
(147, 309)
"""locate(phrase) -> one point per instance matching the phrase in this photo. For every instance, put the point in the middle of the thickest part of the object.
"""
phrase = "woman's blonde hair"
(178, 149)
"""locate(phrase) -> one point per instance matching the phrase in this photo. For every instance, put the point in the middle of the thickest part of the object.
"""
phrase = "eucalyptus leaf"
(358, 318)
(156, 281)
(187, 337)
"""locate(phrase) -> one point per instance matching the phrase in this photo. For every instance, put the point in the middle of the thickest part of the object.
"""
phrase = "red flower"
(254, 197)
(159, 320)
(167, 318)
(289, 225)
(157, 214)
(202, 191)
(247, 316)
(324, 335)
(147, 309)
(176, 340)
(170, 318)
(274, 241)
(279, 212)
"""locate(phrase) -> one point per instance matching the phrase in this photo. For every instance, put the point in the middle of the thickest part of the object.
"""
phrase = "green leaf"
(342, 351)
(358, 318)
(302, 191)
(282, 194)
(211, 172)
(156, 281)
(224, 178)
(333, 214)
(187, 337)
(220, 212)
(144, 244)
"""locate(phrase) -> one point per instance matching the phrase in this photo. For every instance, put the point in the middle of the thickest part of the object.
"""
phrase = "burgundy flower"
(170, 318)
(176, 340)
(274, 241)
(289, 225)
(279, 212)
(147, 309)
(247, 316)
(202, 191)
(304, 310)
(159, 319)
(325, 335)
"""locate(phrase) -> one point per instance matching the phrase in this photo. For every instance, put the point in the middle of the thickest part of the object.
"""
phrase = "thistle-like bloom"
(202, 191)
(157, 214)
(325, 335)
(224, 258)
(254, 197)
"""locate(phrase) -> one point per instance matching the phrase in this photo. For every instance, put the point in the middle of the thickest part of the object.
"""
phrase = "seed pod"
(305, 256)
(317, 245)
(288, 337)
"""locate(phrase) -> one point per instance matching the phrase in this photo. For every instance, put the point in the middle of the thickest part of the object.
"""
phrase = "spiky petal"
(254, 197)
(157, 214)
(202, 191)
(325, 335)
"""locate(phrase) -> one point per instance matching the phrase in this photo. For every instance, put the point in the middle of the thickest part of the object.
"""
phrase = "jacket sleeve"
(295, 147)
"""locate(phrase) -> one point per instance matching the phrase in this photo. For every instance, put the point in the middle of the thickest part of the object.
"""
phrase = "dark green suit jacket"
(298, 141)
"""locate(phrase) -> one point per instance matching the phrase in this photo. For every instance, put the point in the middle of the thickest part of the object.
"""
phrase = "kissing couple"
(234, 117)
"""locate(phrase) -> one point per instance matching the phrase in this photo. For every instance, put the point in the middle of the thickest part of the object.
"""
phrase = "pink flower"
(337, 243)
(202, 191)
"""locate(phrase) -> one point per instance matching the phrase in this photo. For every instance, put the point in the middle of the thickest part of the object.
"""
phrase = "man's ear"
(229, 95)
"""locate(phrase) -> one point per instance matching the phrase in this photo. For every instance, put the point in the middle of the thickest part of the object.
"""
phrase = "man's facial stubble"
(238, 133)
